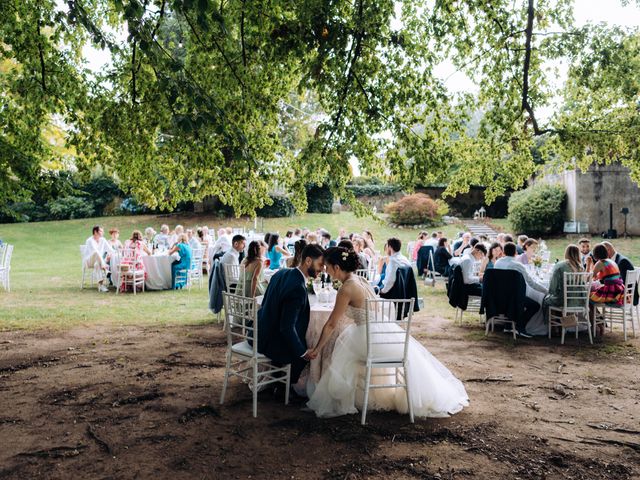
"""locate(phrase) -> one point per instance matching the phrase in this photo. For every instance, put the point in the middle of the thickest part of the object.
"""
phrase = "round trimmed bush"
(538, 210)
(416, 209)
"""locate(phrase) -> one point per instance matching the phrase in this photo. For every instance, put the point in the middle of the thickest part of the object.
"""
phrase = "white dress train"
(434, 390)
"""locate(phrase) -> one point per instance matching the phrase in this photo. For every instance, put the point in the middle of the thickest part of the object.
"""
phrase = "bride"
(434, 391)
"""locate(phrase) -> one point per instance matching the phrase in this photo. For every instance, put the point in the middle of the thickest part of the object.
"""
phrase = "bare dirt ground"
(131, 402)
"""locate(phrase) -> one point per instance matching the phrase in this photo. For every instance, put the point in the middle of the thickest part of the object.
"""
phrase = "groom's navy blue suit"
(283, 320)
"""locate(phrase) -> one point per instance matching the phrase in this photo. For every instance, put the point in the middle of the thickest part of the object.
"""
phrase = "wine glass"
(317, 286)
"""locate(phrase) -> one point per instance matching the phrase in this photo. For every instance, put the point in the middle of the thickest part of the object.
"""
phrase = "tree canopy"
(230, 97)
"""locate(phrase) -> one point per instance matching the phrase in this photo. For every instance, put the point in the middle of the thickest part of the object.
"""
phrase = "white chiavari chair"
(576, 290)
(388, 334)
(242, 359)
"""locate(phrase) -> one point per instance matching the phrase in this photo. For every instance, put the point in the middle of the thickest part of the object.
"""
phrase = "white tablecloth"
(157, 267)
(318, 316)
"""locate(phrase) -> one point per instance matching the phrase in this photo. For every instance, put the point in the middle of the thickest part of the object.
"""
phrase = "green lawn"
(46, 270)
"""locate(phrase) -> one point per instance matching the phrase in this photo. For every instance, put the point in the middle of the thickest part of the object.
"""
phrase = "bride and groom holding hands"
(283, 320)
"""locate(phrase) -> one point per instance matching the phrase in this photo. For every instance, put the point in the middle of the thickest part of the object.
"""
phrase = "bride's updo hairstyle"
(346, 259)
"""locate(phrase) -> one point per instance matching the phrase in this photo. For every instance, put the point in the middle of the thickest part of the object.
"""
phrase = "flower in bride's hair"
(345, 255)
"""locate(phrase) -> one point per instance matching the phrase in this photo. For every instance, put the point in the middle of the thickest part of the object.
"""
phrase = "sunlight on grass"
(46, 272)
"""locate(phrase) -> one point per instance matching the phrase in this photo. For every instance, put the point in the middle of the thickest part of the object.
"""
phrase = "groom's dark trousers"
(283, 320)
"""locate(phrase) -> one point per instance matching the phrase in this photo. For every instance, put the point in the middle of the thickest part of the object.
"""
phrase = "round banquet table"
(318, 316)
(157, 268)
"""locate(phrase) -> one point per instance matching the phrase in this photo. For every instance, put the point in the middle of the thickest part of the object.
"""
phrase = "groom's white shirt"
(305, 281)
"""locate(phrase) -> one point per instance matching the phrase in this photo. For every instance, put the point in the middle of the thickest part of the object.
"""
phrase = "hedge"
(538, 210)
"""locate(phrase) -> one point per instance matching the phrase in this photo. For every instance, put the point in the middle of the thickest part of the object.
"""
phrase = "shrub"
(70, 207)
(24, 212)
(538, 210)
(101, 190)
(281, 207)
(416, 209)
(373, 189)
(319, 199)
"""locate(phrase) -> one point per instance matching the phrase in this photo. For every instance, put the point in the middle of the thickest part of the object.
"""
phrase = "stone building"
(590, 193)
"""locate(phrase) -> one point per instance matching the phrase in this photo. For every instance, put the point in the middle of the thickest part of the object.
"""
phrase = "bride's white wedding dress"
(434, 391)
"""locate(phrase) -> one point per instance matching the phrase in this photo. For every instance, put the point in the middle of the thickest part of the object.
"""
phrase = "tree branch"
(356, 49)
(244, 53)
(526, 105)
(133, 72)
(43, 75)
(218, 47)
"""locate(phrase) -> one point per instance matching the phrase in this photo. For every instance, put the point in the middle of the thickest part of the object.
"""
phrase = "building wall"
(590, 193)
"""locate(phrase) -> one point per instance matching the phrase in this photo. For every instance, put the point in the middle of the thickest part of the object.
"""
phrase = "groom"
(284, 316)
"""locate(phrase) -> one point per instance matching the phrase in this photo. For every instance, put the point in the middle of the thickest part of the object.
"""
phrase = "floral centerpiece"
(537, 261)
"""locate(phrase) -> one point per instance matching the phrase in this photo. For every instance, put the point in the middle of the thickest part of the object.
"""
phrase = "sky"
(585, 11)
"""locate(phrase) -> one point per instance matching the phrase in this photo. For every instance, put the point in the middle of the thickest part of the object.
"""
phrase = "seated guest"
(585, 253)
(422, 237)
(381, 268)
(432, 241)
(136, 242)
(326, 240)
(570, 264)
(267, 237)
(114, 241)
(149, 234)
(441, 257)
(179, 230)
(624, 264)
(471, 280)
(368, 240)
(312, 238)
(254, 284)
(520, 245)
(194, 243)
(232, 256)
(396, 260)
(500, 239)
(222, 245)
(163, 239)
(207, 238)
(183, 265)
(461, 245)
(530, 247)
(508, 239)
(275, 252)
(508, 262)
(283, 318)
(294, 261)
(358, 247)
(294, 238)
(137, 248)
(609, 288)
(493, 254)
(96, 249)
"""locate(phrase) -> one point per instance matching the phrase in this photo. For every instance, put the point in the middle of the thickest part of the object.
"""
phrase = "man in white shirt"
(223, 244)
(163, 239)
(531, 306)
(396, 259)
(96, 248)
(467, 264)
(461, 245)
(194, 243)
(509, 262)
(432, 241)
(232, 256)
